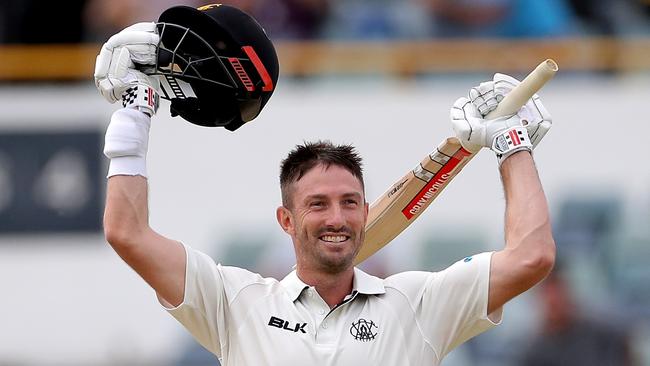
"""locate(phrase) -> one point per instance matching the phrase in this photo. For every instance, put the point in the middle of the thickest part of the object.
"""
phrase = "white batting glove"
(534, 115)
(503, 135)
(115, 75)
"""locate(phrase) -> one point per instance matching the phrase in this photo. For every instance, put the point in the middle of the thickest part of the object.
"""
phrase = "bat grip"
(525, 90)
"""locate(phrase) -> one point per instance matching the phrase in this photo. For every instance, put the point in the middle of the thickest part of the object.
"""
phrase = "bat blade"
(405, 200)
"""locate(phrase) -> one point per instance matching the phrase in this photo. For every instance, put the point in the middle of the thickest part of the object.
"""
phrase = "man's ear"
(285, 219)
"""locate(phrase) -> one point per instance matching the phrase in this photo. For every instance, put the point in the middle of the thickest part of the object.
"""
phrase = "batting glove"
(503, 135)
(534, 115)
(116, 76)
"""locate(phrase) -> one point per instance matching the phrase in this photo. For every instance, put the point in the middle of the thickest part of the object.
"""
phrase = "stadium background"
(379, 74)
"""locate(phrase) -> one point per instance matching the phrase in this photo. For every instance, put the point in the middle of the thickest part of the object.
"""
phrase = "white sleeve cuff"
(127, 165)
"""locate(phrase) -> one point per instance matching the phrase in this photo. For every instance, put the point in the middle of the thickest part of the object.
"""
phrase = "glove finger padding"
(467, 124)
(504, 135)
(115, 65)
(503, 84)
(111, 72)
(141, 39)
(134, 88)
(487, 95)
(484, 98)
(536, 118)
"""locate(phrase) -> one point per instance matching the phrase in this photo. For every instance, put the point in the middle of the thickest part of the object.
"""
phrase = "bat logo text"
(429, 193)
(396, 188)
(433, 187)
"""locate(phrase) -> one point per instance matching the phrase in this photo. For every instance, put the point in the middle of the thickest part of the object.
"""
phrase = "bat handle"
(525, 90)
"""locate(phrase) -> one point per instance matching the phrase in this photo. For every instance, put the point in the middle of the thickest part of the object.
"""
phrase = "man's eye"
(350, 202)
(317, 204)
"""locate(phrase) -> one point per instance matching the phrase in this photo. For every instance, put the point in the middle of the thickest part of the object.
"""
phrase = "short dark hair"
(306, 156)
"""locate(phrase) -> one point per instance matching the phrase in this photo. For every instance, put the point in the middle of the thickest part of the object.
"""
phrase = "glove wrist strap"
(510, 141)
(141, 97)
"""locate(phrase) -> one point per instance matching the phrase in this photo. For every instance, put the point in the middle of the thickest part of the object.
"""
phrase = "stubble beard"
(332, 264)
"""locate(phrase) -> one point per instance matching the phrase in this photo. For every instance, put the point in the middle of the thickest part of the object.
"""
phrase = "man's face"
(327, 218)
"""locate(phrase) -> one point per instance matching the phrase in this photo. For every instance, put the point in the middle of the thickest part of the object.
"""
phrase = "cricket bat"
(405, 200)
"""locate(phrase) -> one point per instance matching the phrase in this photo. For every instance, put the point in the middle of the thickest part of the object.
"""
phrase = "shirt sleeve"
(454, 303)
(204, 311)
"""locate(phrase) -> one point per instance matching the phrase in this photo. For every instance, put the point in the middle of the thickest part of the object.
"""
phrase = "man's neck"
(333, 288)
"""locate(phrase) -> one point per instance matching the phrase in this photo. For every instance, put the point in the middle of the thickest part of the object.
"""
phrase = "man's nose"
(335, 217)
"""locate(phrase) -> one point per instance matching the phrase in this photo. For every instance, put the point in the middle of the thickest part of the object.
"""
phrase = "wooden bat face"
(398, 207)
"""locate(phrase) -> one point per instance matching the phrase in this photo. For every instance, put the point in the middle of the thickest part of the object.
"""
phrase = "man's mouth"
(334, 238)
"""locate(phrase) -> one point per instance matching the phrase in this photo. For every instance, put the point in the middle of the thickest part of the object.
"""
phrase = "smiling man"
(324, 211)
(326, 311)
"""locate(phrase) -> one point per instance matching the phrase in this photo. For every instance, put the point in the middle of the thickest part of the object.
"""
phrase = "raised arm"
(529, 252)
(158, 260)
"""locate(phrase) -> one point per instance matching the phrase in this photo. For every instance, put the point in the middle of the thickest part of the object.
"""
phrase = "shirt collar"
(362, 283)
(366, 284)
(293, 285)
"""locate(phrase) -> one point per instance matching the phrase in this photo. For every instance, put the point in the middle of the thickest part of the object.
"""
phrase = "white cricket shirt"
(411, 318)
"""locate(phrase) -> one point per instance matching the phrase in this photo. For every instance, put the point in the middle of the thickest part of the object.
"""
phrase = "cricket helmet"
(216, 64)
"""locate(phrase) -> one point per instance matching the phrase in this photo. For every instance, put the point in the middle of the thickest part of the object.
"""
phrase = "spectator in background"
(498, 18)
(645, 4)
(593, 16)
(288, 19)
(282, 19)
(103, 18)
(570, 338)
(377, 20)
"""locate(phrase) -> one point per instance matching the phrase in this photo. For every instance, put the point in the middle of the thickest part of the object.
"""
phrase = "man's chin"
(337, 265)
(338, 259)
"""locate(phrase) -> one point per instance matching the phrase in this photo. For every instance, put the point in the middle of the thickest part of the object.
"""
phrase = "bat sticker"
(435, 184)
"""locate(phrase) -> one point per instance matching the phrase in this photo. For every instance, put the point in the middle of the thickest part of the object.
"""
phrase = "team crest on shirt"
(364, 330)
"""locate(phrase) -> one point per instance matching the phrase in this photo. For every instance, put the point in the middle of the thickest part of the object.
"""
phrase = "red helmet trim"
(259, 66)
(241, 73)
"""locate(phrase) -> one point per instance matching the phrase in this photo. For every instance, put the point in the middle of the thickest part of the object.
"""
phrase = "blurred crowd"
(72, 21)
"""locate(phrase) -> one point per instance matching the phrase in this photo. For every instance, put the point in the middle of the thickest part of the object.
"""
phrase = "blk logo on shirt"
(284, 324)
